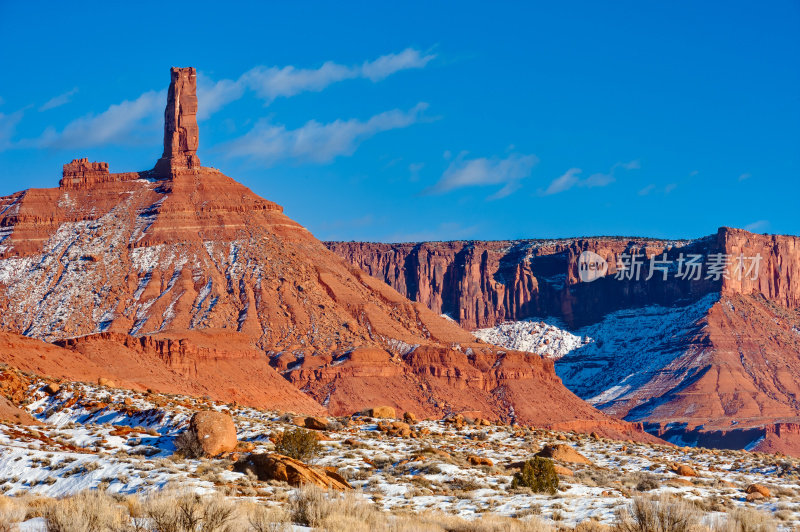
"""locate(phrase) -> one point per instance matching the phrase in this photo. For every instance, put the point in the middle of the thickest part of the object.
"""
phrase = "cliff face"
(709, 358)
(482, 284)
(778, 278)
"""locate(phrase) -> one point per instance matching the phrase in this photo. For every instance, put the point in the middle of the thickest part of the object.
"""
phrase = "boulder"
(316, 423)
(563, 453)
(758, 488)
(382, 412)
(752, 497)
(395, 428)
(215, 431)
(409, 417)
(102, 381)
(278, 467)
(479, 460)
(683, 470)
(52, 388)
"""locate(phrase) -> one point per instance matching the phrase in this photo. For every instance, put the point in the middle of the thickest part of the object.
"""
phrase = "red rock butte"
(182, 280)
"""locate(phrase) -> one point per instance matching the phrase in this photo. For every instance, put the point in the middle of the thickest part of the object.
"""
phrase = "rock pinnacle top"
(180, 123)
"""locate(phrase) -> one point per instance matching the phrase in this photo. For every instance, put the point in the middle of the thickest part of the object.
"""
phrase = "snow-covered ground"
(608, 362)
(122, 441)
(548, 338)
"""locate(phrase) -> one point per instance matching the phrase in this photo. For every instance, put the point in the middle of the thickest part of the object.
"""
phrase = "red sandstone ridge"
(222, 365)
(484, 283)
(182, 279)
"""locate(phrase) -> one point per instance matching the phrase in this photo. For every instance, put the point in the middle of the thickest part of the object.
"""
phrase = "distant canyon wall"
(484, 283)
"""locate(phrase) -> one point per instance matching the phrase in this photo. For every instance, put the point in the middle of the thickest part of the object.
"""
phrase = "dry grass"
(330, 511)
(12, 511)
(347, 512)
(745, 520)
(670, 514)
(659, 514)
(87, 511)
(189, 512)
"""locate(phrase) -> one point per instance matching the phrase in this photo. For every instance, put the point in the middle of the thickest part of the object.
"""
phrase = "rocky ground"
(122, 442)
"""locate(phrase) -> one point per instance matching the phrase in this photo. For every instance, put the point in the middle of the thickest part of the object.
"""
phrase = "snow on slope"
(609, 362)
(550, 340)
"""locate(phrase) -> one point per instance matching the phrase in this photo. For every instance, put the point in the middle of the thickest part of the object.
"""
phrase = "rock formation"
(727, 373)
(191, 283)
(481, 284)
(190, 365)
(277, 467)
(181, 134)
(214, 431)
(81, 174)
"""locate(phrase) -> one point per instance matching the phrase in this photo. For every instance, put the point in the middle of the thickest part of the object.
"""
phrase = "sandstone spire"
(180, 123)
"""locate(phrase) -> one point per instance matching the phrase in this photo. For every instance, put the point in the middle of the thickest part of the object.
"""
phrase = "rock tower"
(180, 124)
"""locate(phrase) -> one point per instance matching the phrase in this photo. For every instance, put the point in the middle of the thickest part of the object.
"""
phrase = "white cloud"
(745, 176)
(670, 187)
(565, 181)
(8, 126)
(463, 172)
(316, 142)
(59, 100)
(598, 180)
(570, 179)
(126, 123)
(631, 165)
(444, 231)
(757, 227)
(414, 169)
(647, 190)
(388, 64)
(213, 96)
(270, 83)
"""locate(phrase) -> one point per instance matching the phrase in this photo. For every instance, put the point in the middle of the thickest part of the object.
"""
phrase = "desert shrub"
(189, 512)
(312, 506)
(87, 511)
(647, 483)
(658, 514)
(537, 474)
(264, 519)
(595, 477)
(187, 445)
(12, 511)
(464, 484)
(745, 520)
(298, 443)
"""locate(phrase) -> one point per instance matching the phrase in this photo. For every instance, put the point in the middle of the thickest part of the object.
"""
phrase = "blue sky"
(431, 120)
